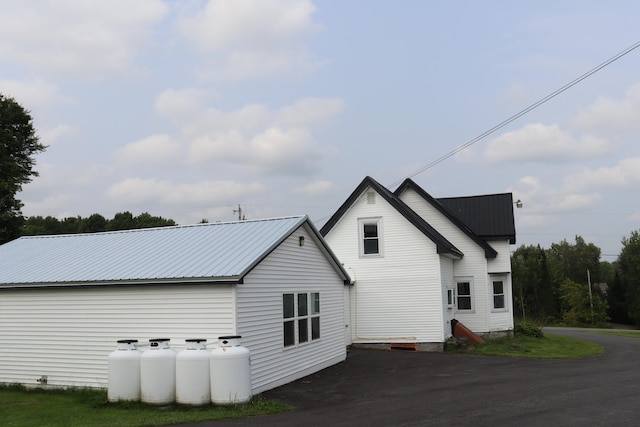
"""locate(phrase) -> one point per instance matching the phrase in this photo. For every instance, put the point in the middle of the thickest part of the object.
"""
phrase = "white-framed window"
(370, 234)
(464, 294)
(301, 318)
(499, 293)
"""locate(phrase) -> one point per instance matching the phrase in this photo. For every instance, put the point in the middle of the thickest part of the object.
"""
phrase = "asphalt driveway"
(396, 388)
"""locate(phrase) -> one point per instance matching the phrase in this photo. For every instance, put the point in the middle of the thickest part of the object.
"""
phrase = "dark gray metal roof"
(489, 216)
(213, 252)
(462, 225)
(442, 244)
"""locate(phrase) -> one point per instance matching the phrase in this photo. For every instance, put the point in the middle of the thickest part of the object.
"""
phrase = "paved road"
(382, 388)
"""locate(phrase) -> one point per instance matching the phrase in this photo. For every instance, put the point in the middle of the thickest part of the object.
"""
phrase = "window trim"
(307, 317)
(361, 224)
(471, 296)
(499, 278)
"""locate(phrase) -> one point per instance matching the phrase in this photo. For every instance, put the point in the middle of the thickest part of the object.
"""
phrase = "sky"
(191, 109)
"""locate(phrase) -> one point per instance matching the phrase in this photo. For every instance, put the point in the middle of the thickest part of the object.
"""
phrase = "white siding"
(447, 282)
(67, 334)
(502, 321)
(473, 265)
(347, 310)
(397, 297)
(290, 268)
(501, 263)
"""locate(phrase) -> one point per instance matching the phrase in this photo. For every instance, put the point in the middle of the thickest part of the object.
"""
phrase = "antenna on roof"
(239, 212)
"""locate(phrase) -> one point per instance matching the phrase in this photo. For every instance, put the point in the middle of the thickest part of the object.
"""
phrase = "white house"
(419, 263)
(65, 300)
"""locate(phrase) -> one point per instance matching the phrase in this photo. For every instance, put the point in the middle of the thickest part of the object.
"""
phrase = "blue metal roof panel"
(202, 251)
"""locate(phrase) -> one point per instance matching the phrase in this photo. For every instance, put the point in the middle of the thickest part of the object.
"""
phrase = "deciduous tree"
(18, 146)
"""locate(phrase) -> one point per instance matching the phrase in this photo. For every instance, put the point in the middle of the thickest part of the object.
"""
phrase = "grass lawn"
(20, 407)
(548, 347)
(630, 334)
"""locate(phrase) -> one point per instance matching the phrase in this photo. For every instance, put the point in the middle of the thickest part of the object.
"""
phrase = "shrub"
(528, 329)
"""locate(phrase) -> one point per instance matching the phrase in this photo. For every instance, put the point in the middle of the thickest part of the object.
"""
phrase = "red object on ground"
(461, 331)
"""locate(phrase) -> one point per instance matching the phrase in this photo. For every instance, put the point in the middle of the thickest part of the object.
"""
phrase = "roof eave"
(114, 283)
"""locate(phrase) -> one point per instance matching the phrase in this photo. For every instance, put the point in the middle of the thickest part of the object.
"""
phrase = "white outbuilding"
(65, 300)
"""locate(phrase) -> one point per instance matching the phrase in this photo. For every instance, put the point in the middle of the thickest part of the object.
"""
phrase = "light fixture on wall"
(518, 203)
(301, 240)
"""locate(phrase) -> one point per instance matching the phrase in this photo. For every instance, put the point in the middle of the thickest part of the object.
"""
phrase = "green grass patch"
(548, 347)
(629, 334)
(83, 407)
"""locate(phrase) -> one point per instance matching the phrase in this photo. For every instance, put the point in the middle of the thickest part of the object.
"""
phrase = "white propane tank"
(124, 372)
(192, 373)
(230, 372)
(158, 373)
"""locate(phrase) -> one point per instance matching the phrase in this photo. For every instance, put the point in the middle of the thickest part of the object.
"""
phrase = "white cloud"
(155, 149)
(247, 24)
(145, 192)
(574, 202)
(54, 205)
(250, 38)
(274, 151)
(180, 103)
(33, 93)
(310, 112)
(543, 201)
(248, 119)
(543, 143)
(625, 175)
(316, 188)
(229, 146)
(609, 116)
(52, 136)
(76, 36)
(261, 140)
(287, 152)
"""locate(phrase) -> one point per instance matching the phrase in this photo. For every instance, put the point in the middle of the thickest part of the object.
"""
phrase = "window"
(464, 295)
(301, 318)
(499, 300)
(451, 297)
(370, 236)
(288, 310)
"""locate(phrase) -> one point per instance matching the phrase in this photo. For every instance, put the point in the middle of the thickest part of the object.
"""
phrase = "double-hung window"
(301, 318)
(499, 293)
(464, 294)
(370, 232)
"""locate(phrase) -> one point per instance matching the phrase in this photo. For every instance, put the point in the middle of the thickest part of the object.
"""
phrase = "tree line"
(568, 283)
(38, 225)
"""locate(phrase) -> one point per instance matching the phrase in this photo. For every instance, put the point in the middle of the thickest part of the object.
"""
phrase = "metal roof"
(216, 251)
(410, 184)
(490, 216)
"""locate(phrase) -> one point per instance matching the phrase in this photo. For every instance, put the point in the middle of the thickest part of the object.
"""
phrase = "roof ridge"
(160, 228)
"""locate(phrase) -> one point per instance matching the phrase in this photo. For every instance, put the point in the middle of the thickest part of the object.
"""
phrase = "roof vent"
(371, 197)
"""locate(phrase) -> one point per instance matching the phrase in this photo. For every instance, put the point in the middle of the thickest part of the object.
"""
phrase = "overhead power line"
(521, 112)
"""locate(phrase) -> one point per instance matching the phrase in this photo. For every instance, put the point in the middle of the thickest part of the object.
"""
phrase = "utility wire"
(521, 113)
